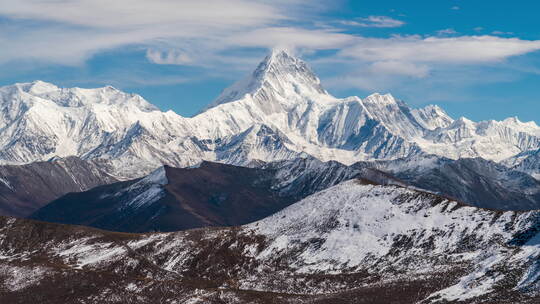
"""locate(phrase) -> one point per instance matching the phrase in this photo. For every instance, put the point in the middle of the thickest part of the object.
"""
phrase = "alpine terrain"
(278, 112)
(352, 243)
(277, 192)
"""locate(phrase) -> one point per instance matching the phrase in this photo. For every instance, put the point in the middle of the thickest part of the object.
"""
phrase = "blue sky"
(479, 59)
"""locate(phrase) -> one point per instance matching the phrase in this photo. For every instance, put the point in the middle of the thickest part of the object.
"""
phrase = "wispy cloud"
(400, 68)
(292, 37)
(462, 49)
(501, 33)
(188, 33)
(129, 14)
(69, 32)
(448, 31)
(375, 21)
(408, 64)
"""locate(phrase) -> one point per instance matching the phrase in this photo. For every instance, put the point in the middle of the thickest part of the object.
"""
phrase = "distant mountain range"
(278, 112)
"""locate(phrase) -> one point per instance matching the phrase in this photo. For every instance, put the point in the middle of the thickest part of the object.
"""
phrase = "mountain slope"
(26, 188)
(171, 199)
(432, 117)
(346, 244)
(491, 140)
(476, 181)
(212, 194)
(528, 162)
(215, 194)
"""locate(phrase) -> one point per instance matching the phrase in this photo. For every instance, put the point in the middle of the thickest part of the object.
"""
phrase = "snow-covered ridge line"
(278, 112)
(346, 217)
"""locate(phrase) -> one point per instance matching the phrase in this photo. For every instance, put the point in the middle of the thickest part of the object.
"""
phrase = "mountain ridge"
(311, 252)
(211, 194)
(131, 138)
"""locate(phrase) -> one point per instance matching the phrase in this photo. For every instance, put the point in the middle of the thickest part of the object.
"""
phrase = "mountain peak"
(380, 99)
(280, 75)
(280, 57)
(527, 127)
(74, 97)
(36, 87)
(462, 122)
(432, 117)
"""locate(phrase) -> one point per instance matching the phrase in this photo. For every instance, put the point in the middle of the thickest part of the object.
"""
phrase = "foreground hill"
(351, 243)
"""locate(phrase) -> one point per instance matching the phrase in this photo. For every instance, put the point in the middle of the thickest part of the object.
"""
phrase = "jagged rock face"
(26, 188)
(492, 140)
(528, 162)
(278, 112)
(351, 243)
(432, 117)
(212, 194)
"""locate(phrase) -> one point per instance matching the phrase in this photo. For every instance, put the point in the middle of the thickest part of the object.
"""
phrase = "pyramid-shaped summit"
(280, 75)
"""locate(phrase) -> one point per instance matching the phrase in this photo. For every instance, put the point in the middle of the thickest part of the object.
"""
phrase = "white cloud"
(413, 64)
(142, 13)
(228, 36)
(400, 68)
(291, 38)
(463, 49)
(187, 32)
(69, 32)
(375, 21)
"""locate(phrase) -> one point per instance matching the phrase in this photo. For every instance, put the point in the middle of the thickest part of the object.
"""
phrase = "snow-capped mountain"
(492, 140)
(278, 112)
(349, 243)
(279, 80)
(39, 121)
(432, 117)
